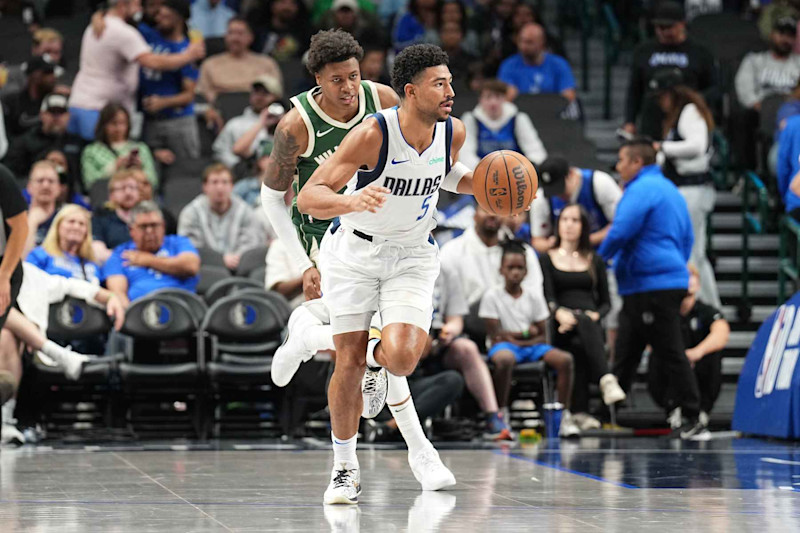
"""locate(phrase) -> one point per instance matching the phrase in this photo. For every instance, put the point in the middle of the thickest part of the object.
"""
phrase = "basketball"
(504, 183)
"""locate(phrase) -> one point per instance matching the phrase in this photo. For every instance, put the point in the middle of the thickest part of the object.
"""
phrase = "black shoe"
(692, 430)
(375, 431)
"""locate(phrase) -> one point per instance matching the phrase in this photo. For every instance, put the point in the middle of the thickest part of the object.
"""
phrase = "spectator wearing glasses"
(112, 220)
(672, 48)
(43, 188)
(150, 260)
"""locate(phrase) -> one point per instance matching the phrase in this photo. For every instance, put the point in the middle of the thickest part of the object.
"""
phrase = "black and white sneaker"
(344, 488)
(693, 430)
(374, 388)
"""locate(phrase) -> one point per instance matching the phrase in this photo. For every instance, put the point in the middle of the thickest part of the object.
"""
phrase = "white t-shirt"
(448, 298)
(108, 69)
(478, 266)
(280, 268)
(606, 192)
(40, 289)
(514, 314)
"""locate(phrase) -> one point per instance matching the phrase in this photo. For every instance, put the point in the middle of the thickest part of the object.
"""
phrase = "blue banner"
(768, 394)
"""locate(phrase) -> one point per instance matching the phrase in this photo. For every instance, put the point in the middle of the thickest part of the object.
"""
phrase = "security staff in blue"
(650, 242)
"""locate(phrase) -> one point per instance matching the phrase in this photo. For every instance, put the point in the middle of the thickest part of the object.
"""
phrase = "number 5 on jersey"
(426, 203)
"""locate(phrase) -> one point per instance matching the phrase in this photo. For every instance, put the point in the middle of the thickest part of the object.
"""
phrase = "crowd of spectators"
(98, 142)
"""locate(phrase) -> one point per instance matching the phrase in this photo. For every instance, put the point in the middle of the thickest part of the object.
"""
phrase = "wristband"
(526, 334)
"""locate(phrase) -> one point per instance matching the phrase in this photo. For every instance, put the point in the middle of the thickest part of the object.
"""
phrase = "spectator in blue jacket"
(789, 164)
(210, 17)
(650, 241)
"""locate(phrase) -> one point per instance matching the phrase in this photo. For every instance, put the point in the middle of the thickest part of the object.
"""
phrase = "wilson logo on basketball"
(522, 185)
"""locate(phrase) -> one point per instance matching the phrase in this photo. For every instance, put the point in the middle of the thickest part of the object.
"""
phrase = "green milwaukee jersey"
(324, 136)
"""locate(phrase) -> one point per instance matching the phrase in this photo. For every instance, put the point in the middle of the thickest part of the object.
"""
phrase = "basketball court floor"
(623, 484)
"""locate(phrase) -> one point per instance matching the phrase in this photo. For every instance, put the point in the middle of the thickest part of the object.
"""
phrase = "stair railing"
(788, 259)
(612, 40)
(752, 223)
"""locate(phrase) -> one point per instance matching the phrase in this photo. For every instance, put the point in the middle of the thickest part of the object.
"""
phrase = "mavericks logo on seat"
(243, 315)
(157, 315)
(71, 315)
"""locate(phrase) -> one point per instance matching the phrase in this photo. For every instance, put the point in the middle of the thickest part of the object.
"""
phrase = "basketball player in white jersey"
(380, 256)
(304, 138)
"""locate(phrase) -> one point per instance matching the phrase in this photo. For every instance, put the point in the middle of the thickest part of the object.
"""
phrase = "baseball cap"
(38, 63)
(55, 103)
(270, 83)
(665, 79)
(785, 24)
(553, 175)
(340, 4)
(668, 13)
(181, 7)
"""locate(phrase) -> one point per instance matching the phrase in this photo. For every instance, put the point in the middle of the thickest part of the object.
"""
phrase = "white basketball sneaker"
(610, 389)
(374, 388)
(345, 486)
(430, 471)
(293, 352)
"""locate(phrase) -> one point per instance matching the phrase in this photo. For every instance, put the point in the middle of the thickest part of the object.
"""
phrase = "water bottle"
(552, 419)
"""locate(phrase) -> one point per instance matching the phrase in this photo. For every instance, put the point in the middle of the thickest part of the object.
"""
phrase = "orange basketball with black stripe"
(505, 183)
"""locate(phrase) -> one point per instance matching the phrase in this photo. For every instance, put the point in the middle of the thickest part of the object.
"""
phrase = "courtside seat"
(227, 286)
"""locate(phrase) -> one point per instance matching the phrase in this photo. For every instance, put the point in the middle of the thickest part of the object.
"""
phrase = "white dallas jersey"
(414, 180)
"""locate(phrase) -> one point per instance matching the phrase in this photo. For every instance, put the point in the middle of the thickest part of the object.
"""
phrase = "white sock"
(54, 351)
(344, 452)
(8, 411)
(319, 338)
(372, 363)
(405, 414)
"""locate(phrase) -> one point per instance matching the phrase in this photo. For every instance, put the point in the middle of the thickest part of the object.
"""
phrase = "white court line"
(151, 478)
(775, 461)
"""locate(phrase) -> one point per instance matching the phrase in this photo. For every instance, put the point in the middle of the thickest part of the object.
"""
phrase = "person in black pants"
(650, 241)
(576, 289)
(705, 333)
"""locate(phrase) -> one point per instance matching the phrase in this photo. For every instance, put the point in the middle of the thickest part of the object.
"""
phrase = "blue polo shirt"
(554, 75)
(142, 281)
(165, 82)
(68, 265)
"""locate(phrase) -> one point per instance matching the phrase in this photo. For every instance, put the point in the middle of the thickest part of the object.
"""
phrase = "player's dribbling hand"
(371, 198)
(311, 284)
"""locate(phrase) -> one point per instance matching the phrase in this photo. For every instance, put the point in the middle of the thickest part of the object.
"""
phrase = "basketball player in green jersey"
(304, 138)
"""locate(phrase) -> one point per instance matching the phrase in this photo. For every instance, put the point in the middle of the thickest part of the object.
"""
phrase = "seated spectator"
(576, 290)
(27, 324)
(321, 8)
(705, 334)
(685, 157)
(146, 193)
(373, 65)
(219, 220)
(463, 64)
(112, 220)
(283, 275)
(525, 13)
(533, 70)
(113, 149)
(252, 128)
(283, 29)
(672, 48)
(151, 261)
(109, 66)
(67, 249)
(211, 17)
(561, 184)
(496, 124)
(348, 16)
(21, 108)
(447, 349)
(419, 24)
(43, 188)
(516, 324)
(50, 134)
(788, 166)
(234, 70)
(48, 44)
(167, 96)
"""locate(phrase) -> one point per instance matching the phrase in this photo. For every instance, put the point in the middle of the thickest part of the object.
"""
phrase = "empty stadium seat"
(209, 275)
(232, 104)
(228, 285)
(251, 260)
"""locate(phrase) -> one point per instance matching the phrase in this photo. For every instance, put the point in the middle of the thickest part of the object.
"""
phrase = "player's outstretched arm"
(359, 149)
(464, 184)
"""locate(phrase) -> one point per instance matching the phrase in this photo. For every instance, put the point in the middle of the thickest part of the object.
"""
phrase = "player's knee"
(404, 364)
(504, 360)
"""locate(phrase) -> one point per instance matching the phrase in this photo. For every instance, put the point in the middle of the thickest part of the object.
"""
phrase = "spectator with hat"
(235, 69)
(109, 66)
(672, 48)
(48, 44)
(211, 17)
(21, 108)
(51, 134)
(497, 124)
(167, 97)
(253, 127)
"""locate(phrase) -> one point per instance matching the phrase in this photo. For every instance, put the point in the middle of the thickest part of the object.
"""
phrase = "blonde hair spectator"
(52, 241)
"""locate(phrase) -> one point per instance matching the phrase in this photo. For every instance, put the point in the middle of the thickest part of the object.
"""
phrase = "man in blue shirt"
(535, 71)
(210, 17)
(151, 261)
(789, 165)
(650, 241)
(167, 97)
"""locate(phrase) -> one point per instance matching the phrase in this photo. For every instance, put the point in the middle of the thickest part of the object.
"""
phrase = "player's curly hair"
(332, 46)
(412, 61)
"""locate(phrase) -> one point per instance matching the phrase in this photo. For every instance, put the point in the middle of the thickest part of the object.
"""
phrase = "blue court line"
(563, 469)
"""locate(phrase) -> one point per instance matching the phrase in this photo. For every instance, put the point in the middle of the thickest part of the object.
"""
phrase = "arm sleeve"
(223, 146)
(81, 289)
(565, 78)
(189, 226)
(204, 85)
(528, 139)
(183, 245)
(506, 74)
(549, 281)
(745, 82)
(248, 237)
(607, 192)
(38, 258)
(603, 296)
(694, 131)
(130, 43)
(488, 307)
(94, 162)
(113, 267)
(632, 209)
(786, 157)
(278, 215)
(469, 151)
